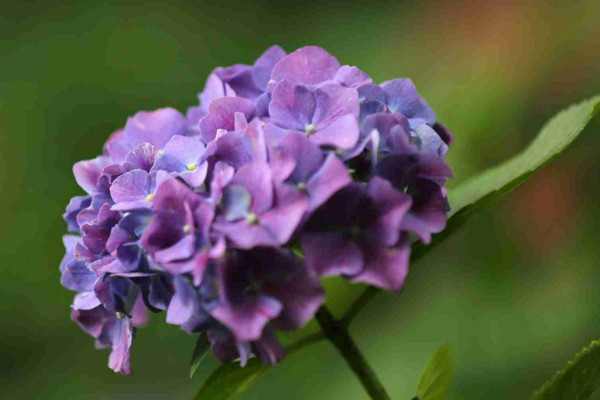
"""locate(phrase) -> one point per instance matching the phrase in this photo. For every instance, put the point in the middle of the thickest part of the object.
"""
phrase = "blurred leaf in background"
(516, 290)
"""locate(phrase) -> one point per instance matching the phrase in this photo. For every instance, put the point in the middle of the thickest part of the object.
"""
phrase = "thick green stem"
(335, 331)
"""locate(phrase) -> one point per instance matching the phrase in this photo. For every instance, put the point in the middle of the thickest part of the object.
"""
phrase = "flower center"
(160, 153)
(310, 129)
(150, 197)
(301, 186)
(251, 219)
(191, 167)
(186, 228)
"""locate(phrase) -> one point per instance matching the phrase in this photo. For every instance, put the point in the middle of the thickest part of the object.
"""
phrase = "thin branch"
(305, 341)
(337, 334)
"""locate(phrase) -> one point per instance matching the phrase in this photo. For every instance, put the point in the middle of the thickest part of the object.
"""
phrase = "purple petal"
(402, 98)
(214, 88)
(429, 142)
(117, 237)
(248, 319)
(139, 313)
(131, 190)
(283, 219)
(306, 155)
(172, 195)
(76, 204)
(342, 133)
(292, 106)
(182, 305)
(428, 214)
(188, 150)
(261, 73)
(221, 115)
(391, 206)
(444, 133)
(352, 77)
(387, 267)
(85, 301)
(308, 65)
(257, 180)
(121, 337)
(87, 173)
(154, 127)
(235, 202)
(181, 250)
(244, 235)
(142, 157)
(91, 321)
(332, 102)
(331, 177)
(268, 349)
(331, 253)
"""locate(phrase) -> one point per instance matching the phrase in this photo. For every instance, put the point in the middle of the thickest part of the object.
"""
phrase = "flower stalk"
(336, 332)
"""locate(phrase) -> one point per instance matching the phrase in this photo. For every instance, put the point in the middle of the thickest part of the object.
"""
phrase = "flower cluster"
(290, 169)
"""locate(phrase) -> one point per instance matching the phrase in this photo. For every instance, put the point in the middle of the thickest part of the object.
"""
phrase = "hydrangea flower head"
(289, 169)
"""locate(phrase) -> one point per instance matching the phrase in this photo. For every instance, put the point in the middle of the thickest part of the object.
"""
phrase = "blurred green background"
(516, 290)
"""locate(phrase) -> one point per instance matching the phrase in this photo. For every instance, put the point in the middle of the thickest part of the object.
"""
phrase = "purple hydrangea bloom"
(204, 216)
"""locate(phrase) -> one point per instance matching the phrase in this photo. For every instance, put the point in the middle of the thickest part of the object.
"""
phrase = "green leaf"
(200, 351)
(580, 380)
(437, 377)
(494, 182)
(230, 380)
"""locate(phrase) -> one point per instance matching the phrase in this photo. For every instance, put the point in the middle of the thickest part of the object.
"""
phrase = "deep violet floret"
(289, 169)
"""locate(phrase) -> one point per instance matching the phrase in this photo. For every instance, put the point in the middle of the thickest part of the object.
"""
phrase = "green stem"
(335, 331)
(305, 341)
